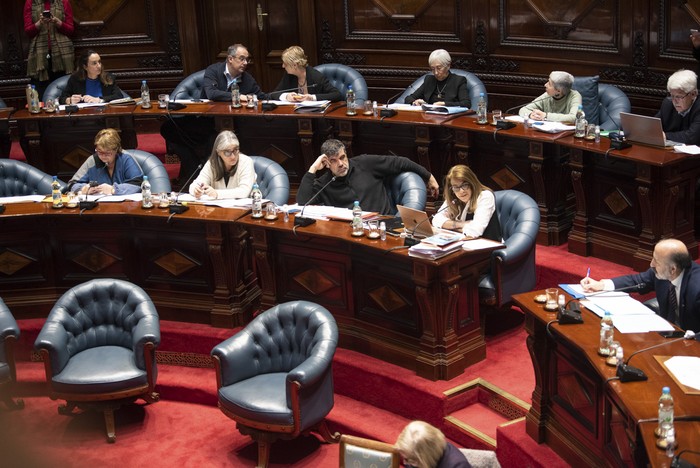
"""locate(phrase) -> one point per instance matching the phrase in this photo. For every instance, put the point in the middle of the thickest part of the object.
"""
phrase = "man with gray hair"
(680, 111)
(559, 102)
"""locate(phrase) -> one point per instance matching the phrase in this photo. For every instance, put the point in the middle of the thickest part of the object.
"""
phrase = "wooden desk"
(587, 420)
(520, 159)
(419, 314)
(627, 201)
(58, 143)
(196, 266)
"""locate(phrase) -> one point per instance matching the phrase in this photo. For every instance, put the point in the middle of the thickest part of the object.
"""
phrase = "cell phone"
(46, 14)
(672, 334)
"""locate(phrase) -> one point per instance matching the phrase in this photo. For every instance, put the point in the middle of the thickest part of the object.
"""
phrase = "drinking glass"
(163, 101)
(373, 229)
(552, 296)
(250, 101)
(497, 115)
(368, 107)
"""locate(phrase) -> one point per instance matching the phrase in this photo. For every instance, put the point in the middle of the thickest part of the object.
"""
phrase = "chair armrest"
(518, 247)
(54, 339)
(146, 331)
(8, 326)
(309, 372)
(238, 358)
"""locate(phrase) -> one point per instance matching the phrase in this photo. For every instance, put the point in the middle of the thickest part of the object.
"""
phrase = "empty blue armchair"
(18, 179)
(274, 376)
(9, 334)
(474, 87)
(98, 345)
(407, 189)
(513, 268)
(272, 180)
(190, 87)
(342, 76)
(153, 168)
(602, 102)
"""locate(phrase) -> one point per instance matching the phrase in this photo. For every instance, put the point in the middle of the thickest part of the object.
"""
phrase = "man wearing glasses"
(680, 111)
(192, 137)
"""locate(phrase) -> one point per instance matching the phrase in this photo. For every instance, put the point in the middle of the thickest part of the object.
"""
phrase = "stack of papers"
(444, 110)
(311, 106)
(552, 127)
(328, 212)
(629, 315)
(437, 246)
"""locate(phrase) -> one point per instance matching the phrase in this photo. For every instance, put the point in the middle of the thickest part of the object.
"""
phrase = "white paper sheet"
(686, 369)
(641, 323)
(22, 199)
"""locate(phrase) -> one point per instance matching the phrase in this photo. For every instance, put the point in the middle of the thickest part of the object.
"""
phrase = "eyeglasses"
(105, 152)
(229, 153)
(461, 188)
(243, 58)
(438, 68)
(677, 97)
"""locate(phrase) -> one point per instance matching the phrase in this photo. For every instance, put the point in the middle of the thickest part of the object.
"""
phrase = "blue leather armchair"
(55, 88)
(407, 189)
(602, 102)
(190, 87)
(342, 76)
(272, 180)
(9, 334)
(98, 346)
(474, 87)
(274, 376)
(153, 168)
(18, 178)
(513, 268)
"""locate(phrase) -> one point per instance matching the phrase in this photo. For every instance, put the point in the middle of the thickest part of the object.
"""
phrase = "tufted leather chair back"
(272, 180)
(190, 88)
(513, 268)
(613, 101)
(342, 76)
(407, 189)
(18, 178)
(474, 87)
(153, 168)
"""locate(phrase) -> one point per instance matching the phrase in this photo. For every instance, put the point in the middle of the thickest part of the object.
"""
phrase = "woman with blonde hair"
(469, 206)
(424, 446)
(310, 84)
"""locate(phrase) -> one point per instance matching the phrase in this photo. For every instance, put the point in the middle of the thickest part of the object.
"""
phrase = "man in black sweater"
(360, 178)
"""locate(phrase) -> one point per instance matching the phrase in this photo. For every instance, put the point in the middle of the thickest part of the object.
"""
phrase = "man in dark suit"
(675, 278)
(185, 135)
(680, 111)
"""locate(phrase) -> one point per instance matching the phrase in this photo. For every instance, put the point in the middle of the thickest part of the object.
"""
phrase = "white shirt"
(239, 185)
(485, 207)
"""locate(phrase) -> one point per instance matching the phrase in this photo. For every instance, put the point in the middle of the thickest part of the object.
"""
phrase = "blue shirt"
(93, 87)
(125, 179)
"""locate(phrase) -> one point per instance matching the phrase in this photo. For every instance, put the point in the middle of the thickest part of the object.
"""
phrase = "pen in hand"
(588, 272)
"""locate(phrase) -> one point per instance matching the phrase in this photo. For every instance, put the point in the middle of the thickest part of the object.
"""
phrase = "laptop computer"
(416, 222)
(645, 130)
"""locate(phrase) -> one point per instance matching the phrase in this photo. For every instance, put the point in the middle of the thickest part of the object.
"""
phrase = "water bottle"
(256, 195)
(56, 200)
(34, 106)
(28, 93)
(350, 101)
(597, 133)
(665, 413)
(145, 95)
(382, 231)
(357, 229)
(375, 109)
(671, 443)
(481, 117)
(581, 123)
(146, 196)
(235, 94)
(285, 211)
(606, 334)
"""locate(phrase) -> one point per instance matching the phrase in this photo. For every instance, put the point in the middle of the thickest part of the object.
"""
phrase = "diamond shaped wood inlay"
(315, 281)
(95, 259)
(76, 157)
(617, 202)
(11, 262)
(387, 299)
(506, 178)
(175, 263)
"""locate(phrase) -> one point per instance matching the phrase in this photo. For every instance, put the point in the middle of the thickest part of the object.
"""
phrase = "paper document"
(552, 127)
(688, 149)
(444, 110)
(686, 369)
(641, 323)
(514, 118)
(331, 212)
(478, 244)
(404, 107)
(84, 104)
(23, 199)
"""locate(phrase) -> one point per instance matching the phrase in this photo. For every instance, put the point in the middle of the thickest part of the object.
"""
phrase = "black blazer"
(454, 91)
(683, 129)
(323, 90)
(214, 85)
(76, 85)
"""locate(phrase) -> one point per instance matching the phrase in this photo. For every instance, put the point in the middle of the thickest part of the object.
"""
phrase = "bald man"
(670, 265)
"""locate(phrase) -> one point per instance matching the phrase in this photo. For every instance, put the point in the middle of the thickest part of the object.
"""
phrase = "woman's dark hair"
(105, 78)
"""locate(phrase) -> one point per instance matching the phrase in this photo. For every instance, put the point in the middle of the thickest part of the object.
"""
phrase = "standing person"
(310, 84)
(360, 178)
(228, 173)
(469, 206)
(442, 88)
(187, 135)
(91, 83)
(559, 102)
(422, 445)
(680, 111)
(672, 271)
(50, 49)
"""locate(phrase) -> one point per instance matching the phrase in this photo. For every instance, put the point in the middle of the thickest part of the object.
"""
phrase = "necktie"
(673, 304)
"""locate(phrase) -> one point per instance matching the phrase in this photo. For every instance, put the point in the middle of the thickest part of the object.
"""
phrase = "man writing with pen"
(675, 278)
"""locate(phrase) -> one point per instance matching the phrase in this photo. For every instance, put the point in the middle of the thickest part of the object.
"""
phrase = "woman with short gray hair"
(559, 103)
(442, 88)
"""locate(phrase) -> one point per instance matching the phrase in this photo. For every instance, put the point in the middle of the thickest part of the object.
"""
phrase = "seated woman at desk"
(91, 83)
(469, 206)
(109, 171)
(559, 102)
(442, 88)
(306, 83)
(227, 173)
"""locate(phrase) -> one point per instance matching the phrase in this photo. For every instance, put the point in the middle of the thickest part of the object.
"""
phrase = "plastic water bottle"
(481, 117)
(256, 195)
(597, 134)
(382, 231)
(145, 95)
(146, 196)
(285, 211)
(665, 412)
(581, 123)
(607, 331)
(34, 106)
(375, 109)
(235, 94)
(350, 101)
(357, 229)
(56, 200)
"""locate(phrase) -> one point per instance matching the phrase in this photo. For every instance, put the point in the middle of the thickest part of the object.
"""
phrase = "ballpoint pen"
(588, 272)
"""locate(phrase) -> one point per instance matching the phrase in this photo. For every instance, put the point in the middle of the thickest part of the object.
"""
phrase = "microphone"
(634, 288)
(172, 105)
(386, 112)
(531, 102)
(570, 314)
(88, 204)
(628, 373)
(270, 106)
(179, 208)
(300, 220)
(411, 240)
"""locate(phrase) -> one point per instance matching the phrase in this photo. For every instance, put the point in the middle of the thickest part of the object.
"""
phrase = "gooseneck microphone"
(634, 288)
(525, 104)
(300, 220)
(386, 112)
(270, 106)
(177, 207)
(628, 373)
(172, 105)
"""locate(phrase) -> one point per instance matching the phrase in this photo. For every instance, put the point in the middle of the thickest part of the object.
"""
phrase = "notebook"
(645, 130)
(416, 221)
